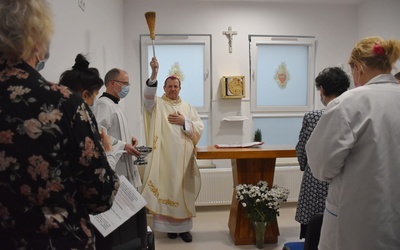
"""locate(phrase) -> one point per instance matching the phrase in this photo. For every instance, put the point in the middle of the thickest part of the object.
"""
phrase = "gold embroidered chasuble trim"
(154, 190)
(159, 133)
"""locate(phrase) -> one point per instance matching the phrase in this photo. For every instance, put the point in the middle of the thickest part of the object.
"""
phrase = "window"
(283, 130)
(282, 85)
(188, 56)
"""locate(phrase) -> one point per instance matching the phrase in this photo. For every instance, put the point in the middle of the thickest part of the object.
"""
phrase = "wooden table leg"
(250, 171)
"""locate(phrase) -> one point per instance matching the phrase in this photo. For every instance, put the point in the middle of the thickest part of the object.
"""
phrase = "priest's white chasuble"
(171, 181)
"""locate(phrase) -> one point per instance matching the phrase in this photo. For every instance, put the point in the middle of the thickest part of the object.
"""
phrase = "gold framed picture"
(232, 87)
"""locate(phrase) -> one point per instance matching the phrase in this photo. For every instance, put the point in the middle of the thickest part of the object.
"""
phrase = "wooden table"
(249, 166)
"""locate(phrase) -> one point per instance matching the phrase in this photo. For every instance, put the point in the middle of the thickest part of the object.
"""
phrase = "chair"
(134, 234)
(294, 246)
(312, 236)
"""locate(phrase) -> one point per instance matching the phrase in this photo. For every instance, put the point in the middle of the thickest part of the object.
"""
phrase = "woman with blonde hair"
(53, 169)
(355, 146)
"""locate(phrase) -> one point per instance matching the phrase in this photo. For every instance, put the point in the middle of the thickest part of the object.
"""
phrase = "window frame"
(182, 39)
(255, 40)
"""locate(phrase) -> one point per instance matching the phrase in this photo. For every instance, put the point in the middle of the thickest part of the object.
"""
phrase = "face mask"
(124, 92)
(41, 63)
(92, 99)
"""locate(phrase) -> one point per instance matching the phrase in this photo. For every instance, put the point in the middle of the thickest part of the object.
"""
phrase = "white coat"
(356, 147)
(110, 115)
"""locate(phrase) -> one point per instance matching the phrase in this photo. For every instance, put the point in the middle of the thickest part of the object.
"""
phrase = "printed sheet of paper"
(127, 202)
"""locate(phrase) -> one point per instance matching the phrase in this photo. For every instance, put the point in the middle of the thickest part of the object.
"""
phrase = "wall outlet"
(81, 4)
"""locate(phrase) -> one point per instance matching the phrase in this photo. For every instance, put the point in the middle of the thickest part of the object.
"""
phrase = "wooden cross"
(229, 34)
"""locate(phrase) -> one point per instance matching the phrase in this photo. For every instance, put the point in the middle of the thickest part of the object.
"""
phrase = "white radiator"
(216, 187)
(289, 177)
(217, 184)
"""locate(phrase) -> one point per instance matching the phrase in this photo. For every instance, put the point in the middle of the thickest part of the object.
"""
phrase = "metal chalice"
(141, 159)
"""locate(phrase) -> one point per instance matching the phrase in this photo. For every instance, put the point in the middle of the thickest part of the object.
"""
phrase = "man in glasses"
(109, 114)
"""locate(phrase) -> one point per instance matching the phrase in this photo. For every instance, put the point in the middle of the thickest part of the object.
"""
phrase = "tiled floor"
(210, 231)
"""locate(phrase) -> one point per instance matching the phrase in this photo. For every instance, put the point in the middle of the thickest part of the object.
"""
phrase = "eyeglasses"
(123, 83)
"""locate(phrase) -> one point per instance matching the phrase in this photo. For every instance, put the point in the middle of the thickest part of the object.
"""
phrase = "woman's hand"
(105, 140)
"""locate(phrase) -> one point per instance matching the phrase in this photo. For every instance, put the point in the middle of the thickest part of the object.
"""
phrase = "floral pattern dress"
(53, 169)
(313, 192)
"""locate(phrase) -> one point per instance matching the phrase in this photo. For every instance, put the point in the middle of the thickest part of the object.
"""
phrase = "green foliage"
(258, 135)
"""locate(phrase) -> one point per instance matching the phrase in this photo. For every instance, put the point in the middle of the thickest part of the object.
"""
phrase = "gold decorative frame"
(233, 87)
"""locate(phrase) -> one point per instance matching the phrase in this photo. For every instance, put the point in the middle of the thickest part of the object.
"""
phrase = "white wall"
(108, 31)
(380, 18)
(96, 32)
(334, 26)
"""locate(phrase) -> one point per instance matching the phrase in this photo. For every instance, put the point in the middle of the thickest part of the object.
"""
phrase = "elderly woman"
(355, 146)
(331, 83)
(53, 169)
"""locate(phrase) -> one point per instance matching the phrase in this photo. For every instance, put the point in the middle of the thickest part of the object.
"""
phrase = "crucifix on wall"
(229, 34)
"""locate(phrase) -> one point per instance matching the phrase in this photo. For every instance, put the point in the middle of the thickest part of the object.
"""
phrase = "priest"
(171, 181)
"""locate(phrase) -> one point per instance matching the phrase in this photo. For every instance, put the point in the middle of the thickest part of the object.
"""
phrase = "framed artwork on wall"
(232, 87)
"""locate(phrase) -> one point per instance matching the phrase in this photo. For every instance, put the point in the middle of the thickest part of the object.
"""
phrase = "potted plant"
(257, 135)
(261, 205)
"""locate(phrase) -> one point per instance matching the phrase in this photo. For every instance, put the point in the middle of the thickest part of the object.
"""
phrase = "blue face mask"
(124, 91)
(41, 63)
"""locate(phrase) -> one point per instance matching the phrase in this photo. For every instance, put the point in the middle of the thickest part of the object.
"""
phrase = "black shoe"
(172, 235)
(186, 237)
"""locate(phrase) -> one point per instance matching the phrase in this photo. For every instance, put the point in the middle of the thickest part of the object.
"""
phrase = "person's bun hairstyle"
(81, 63)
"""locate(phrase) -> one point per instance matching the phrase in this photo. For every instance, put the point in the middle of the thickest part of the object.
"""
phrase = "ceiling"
(294, 1)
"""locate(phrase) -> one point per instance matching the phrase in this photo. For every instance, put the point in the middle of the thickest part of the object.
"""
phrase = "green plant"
(257, 135)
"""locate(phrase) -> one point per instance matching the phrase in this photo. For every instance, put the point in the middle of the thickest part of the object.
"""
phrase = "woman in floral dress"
(53, 168)
(331, 83)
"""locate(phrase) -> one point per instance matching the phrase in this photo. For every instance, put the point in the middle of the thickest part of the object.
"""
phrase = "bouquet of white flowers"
(260, 203)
